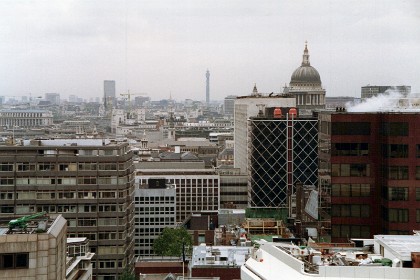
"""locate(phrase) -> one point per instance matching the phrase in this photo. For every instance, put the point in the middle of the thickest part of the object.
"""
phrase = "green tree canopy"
(170, 241)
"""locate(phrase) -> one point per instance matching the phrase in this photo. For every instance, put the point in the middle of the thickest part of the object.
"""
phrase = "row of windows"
(187, 182)
(351, 210)
(352, 170)
(64, 181)
(99, 236)
(401, 173)
(47, 195)
(350, 190)
(93, 222)
(24, 209)
(350, 149)
(363, 170)
(154, 209)
(364, 128)
(350, 231)
(145, 241)
(46, 166)
(155, 199)
(156, 220)
(110, 264)
(362, 149)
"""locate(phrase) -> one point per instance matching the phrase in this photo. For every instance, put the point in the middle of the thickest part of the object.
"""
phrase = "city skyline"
(163, 48)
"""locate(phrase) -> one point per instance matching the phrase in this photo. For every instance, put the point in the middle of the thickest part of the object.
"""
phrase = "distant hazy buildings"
(333, 102)
(53, 98)
(229, 105)
(371, 91)
(109, 93)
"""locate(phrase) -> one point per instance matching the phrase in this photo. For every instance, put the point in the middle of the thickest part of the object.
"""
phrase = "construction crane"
(128, 98)
(22, 222)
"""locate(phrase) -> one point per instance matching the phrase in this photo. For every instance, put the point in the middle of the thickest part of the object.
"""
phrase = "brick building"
(374, 164)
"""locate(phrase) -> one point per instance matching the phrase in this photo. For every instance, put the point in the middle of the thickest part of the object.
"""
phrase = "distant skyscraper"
(109, 92)
(54, 98)
(208, 86)
(229, 105)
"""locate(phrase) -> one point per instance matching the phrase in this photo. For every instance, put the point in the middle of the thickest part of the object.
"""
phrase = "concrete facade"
(89, 181)
(25, 118)
(197, 189)
(155, 209)
(35, 256)
(246, 107)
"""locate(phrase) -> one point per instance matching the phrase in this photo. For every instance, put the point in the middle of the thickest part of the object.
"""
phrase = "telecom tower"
(207, 87)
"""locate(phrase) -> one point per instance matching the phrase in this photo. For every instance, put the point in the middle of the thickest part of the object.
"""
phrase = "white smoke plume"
(391, 100)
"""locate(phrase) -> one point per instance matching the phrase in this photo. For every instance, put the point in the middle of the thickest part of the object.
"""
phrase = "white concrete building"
(246, 107)
(197, 188)
(25, 118)
(155, 209)
(285, 261)
(39, 253)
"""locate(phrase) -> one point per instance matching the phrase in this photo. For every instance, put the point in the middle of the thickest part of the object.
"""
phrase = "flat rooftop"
(400, 245)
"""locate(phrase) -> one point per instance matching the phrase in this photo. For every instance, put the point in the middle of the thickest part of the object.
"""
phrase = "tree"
(172, 242)
(127, 275)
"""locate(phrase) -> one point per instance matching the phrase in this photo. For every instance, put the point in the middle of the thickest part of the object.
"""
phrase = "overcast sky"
(163, 47)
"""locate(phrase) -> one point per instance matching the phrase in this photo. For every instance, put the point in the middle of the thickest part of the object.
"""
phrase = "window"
(350, 170)
(14, 260)
(397, 194)
(417, 172)
(7, 181)
(418, 194)
(395, 150)
(418, 215)
(25, 166)
(395, 129)
(397, 172)
(347, 231)
(7, 209)
(6, 195)
(46, 166)
(397, 215)
(87, 180)
(4, 167)
(418, 150)
(350, 128)
(350, 149)
(350, 210)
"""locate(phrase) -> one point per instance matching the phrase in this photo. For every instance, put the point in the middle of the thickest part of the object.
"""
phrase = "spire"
(305, 60)
(255, 90)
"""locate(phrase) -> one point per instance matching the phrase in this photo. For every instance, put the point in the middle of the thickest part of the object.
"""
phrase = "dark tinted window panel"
(395, 129)
(350, 128)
